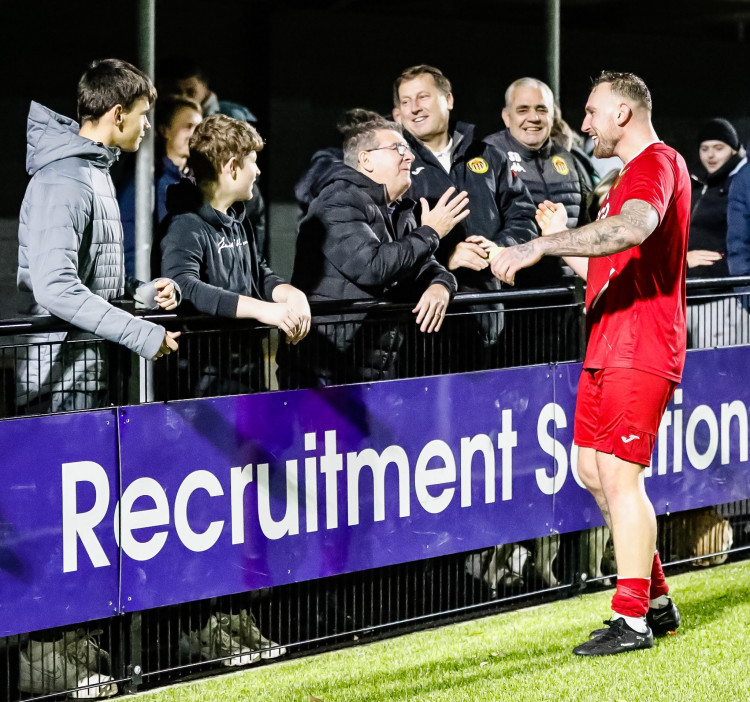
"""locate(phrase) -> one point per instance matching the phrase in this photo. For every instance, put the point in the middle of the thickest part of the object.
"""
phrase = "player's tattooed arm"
(636, 221)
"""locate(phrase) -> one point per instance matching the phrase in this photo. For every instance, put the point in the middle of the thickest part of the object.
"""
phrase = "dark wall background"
(297, 65)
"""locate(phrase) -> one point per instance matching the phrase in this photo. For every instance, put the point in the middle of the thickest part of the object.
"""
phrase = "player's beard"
(603, 147)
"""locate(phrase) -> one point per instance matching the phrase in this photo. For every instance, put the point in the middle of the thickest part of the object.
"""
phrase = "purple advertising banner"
(269, 489)
(58, 554)
(246, 492)
(231, 494)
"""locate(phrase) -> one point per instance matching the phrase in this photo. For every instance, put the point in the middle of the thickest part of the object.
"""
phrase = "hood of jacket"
(52, 137)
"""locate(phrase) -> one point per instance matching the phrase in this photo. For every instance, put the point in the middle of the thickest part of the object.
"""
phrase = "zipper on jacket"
(698, 201)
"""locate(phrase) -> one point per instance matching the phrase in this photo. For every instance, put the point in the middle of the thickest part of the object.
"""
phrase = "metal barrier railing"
(157, 646)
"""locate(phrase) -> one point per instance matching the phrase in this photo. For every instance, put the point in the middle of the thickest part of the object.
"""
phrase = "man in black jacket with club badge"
(502, 212)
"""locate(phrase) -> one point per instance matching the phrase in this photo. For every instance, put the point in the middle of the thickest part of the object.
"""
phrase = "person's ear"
(116, 115)
(230, 168)
(449, 100)
(506, 117)
(365, 162)
(624, 113)
(396, 115)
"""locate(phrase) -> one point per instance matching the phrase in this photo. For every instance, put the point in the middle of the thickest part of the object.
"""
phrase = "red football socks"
(659, 585)
(631, 597)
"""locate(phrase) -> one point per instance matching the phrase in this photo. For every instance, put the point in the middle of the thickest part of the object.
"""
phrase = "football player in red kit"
(634, 261)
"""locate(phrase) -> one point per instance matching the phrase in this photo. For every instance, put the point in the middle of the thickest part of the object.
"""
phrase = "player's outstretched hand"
(508, 261)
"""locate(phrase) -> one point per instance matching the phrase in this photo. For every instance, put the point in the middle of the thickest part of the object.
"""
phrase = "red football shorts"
(618, 411)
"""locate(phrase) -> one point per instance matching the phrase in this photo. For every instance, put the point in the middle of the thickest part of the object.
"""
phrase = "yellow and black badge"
(560, 166)
(478, 165)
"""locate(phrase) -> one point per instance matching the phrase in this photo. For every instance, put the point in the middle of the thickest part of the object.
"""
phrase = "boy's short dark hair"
(173, 69)
(110, 82)
(217, 139)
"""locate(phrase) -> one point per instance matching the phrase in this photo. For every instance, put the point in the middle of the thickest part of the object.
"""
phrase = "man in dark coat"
(360, 241)
(502, 212)
(549, 171)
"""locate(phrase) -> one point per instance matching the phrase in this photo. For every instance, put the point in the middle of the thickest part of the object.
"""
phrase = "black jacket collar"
(526, 152)
(462, 134)
(376, 191)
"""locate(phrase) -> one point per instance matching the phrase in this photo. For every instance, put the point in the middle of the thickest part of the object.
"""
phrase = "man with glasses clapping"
(360, 241)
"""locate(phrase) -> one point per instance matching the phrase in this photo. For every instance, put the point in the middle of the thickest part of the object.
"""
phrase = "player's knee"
(588, 470)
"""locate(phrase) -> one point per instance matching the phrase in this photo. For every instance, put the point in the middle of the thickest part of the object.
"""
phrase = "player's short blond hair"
(627, 85)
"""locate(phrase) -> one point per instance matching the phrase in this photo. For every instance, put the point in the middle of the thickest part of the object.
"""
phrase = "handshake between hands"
(552, 219)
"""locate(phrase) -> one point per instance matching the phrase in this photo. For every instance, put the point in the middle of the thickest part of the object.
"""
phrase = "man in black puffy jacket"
(360, 241)
(549, 171)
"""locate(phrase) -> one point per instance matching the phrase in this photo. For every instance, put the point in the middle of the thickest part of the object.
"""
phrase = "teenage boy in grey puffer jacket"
(70, 256)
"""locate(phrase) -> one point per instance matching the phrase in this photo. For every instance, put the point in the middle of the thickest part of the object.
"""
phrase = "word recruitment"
(161, 503)
(382, 473)
(430, 481)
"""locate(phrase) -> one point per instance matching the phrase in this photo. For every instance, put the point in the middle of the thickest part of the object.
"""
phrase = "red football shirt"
(635, 300)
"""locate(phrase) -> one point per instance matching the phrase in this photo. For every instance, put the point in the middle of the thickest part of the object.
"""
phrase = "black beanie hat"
(719, 129)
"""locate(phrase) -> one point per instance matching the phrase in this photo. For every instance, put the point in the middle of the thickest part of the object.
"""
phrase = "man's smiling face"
(529, 117)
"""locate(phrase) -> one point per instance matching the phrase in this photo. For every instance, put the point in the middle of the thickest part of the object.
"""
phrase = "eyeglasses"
(398, 147)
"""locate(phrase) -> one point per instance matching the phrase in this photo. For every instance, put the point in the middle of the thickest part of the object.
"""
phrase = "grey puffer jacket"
(70, 255)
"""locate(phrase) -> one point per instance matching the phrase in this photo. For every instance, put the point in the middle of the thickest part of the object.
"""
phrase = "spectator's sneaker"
(189, 646)
(663, 620)
(219, 643)
(245, 626)
(48, 667)
(83, 647)
(617, 638)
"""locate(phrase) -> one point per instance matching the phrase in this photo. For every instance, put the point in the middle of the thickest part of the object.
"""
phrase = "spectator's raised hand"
(551, 217)
(166, 295)
(431, 308)
(447, 212)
